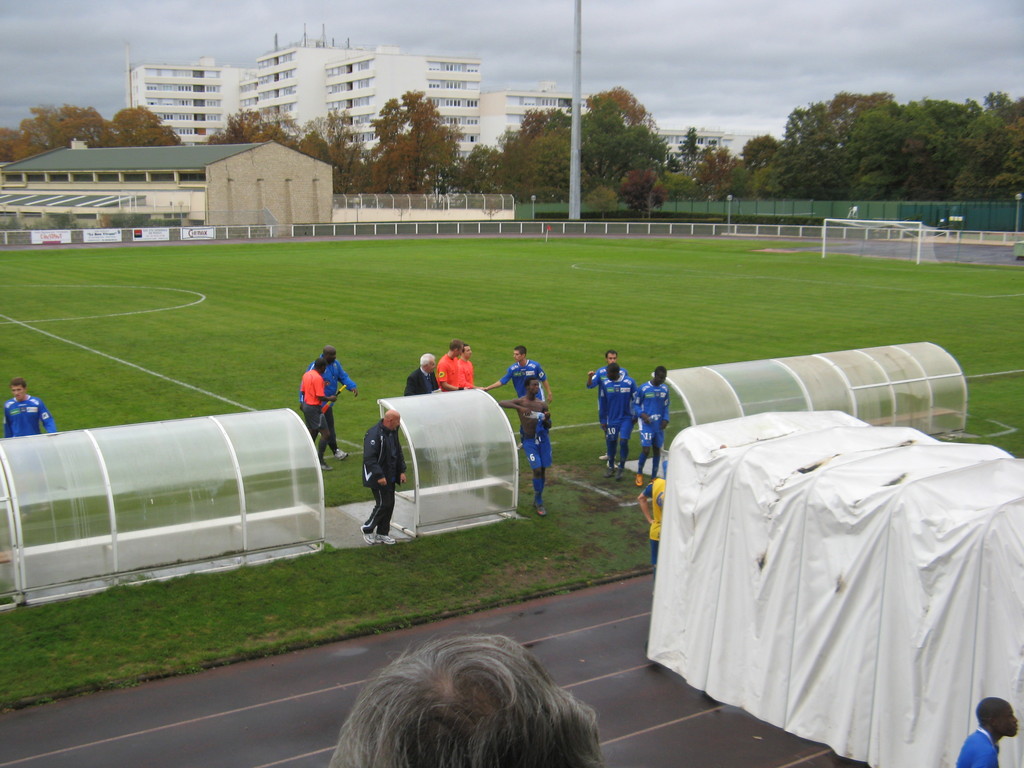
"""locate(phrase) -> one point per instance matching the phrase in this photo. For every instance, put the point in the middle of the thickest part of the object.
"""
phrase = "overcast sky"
(742, 65)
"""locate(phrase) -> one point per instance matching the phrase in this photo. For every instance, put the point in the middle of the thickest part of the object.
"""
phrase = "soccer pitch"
(133, 334)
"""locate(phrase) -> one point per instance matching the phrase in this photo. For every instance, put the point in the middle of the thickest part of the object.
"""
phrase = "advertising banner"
(101, 235)
(50, 236)
(198, 233)
(143, 235)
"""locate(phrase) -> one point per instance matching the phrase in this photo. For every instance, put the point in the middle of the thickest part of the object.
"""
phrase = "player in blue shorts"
(595, 377)
(521, 370)
(615, 412)
(652, 408)
(535, 421)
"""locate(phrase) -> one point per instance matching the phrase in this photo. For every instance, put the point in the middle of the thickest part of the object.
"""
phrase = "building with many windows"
(194, 100)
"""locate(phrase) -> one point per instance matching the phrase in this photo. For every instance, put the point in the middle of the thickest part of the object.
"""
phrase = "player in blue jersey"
(615, 412)
(25, 415)
(334, 375)
(594, 378)
(652, 407)
(521, 370)
(535, 421)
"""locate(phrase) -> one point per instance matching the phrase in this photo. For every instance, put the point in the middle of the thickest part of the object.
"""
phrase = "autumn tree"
(716, 173)
(10, 141)
(480, 171)
(139, 127)
(55, 127)
(642, 192)
(251, 127)
(535, 159)
(618, 137)
(415, 150)
(333, 140)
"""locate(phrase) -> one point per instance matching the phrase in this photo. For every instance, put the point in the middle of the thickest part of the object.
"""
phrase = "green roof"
(129, 158)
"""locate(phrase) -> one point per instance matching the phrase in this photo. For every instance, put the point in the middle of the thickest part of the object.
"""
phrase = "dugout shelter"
(858, 586)
(918, 385)
(84, 510)
(461, 458)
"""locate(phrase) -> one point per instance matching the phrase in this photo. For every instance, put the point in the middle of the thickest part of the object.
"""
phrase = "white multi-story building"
(194, 100)
(707, 138)
(309, 79)
(502, 111)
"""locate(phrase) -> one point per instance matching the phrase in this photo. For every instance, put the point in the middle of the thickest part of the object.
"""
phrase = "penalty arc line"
(168, 379)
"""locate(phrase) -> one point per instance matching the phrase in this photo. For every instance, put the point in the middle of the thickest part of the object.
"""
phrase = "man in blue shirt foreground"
(615, 412)
(995, 720)
(652, 408)
(25, 415)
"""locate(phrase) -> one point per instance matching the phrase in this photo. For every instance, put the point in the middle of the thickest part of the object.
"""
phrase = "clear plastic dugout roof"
(461, 461)
(83, 510)
(917, 385)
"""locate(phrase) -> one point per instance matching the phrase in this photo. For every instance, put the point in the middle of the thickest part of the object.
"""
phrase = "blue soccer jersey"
(616, 404)
(652, 401)
(518, 374)
(28, 417)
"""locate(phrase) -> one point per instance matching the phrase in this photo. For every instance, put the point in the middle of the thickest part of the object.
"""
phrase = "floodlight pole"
(728, 213)
(533, 206)
(574, 136)
(1016, 223)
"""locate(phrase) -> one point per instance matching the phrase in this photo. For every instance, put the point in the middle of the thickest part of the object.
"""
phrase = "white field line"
(829, 283)
(168, 379)
(200, 300)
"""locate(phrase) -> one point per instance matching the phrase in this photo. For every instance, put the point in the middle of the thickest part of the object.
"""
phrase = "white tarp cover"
(858, 586)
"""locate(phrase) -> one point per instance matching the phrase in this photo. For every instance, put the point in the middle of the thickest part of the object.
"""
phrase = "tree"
(535, 159)
(689, 153)
(642, 191)
(680, 186)
(54, 128)
(10, 141)
(480, 171)
(415, 151)
(333, 140)
(812, 160)
(759, 152)
(617, 139)
(602, 200)
(138, 127)
(249, 127)
(715, 173)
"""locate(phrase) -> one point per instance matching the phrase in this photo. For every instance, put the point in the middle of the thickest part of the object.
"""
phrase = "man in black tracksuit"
(383, 469)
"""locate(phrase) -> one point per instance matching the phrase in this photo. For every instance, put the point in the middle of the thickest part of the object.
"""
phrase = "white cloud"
(740, 66)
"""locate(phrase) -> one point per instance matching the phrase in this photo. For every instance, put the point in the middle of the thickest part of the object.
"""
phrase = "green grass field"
(134, 334)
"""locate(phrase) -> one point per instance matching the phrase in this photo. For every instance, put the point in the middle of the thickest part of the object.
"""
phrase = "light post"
(1016, 224)
(533, 206)
(728, 212)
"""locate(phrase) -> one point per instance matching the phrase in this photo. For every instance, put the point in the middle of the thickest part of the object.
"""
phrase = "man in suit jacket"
(422, 381)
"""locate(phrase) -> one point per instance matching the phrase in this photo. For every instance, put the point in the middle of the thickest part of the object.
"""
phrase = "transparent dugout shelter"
(81, 511)
(917, 385)
(461, 461)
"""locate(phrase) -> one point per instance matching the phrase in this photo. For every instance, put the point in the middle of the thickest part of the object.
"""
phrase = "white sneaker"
(340, 455)
(372, 538)
(382, 539)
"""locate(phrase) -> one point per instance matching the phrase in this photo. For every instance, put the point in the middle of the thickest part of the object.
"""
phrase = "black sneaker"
(618, 473)
(609, 472)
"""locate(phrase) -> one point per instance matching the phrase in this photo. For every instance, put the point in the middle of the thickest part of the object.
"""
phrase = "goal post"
(870, 237)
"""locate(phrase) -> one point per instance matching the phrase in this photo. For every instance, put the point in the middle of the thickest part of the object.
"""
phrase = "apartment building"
(503, 110)
(194, 100)
(308, 79)
(707, 138)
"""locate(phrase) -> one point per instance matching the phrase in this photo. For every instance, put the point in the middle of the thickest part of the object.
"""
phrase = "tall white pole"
(574, 137)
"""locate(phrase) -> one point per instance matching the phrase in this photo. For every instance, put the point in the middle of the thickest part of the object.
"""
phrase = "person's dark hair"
(612, 371)
(991, 707)
(455, 344)
(520, 349)
(661, 371)
(611, 352)
(17, 381)
(319, 364)
(470, 701)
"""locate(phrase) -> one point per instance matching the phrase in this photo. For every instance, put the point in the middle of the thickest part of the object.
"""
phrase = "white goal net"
(909, 240)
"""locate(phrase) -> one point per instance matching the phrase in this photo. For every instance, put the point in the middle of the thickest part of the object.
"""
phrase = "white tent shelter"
(859, 586)
(461, 460)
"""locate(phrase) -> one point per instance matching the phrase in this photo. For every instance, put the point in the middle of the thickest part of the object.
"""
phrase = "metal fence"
(454, 202)
(477, 228)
